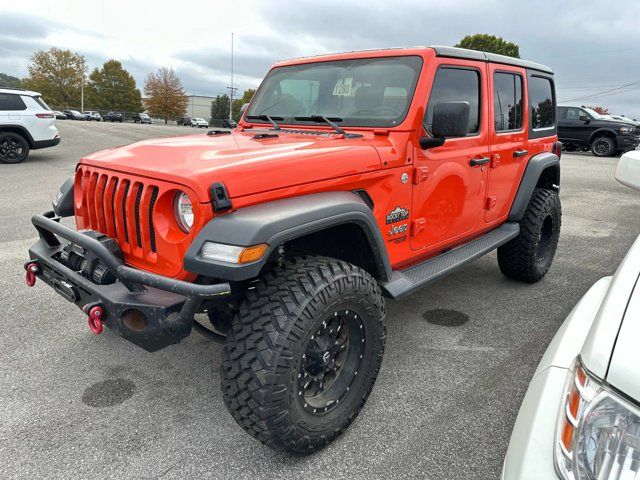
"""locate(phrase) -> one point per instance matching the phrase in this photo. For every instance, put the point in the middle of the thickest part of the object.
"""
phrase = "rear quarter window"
(11, 102)
(542, 106)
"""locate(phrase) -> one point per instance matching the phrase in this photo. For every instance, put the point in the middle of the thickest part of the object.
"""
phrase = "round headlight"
(184, 211)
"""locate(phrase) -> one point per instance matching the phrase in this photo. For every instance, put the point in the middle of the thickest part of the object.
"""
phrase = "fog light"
(135, 320)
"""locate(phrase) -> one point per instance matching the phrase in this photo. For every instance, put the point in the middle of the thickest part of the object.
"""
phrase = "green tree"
(239, 102)
(220, 107)
(165, 95)
(489, 43)
(9, 81)
(112, 88)
(57, 74)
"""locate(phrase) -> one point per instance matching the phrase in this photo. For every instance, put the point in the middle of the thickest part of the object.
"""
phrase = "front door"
(450, 181)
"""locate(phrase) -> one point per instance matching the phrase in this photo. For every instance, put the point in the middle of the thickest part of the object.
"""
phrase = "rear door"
(570, 127)
(11, 107)
(508, 137)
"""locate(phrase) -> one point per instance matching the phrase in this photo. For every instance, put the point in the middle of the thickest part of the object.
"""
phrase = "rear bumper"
(46, 143)
(168, 304)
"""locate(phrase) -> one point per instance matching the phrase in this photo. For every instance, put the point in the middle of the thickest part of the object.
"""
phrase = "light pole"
(232, 89)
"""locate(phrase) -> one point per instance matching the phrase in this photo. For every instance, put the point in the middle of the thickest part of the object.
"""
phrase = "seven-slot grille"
(121, 208)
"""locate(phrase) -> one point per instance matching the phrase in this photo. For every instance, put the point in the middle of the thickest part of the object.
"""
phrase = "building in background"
(198, 106)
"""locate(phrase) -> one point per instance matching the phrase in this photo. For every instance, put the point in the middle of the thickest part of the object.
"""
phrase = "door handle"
(519, 153)
(474, 162)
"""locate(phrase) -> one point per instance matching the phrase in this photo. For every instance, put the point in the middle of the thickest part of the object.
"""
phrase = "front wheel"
(14, 148)
(303, 353)
(603, 147)
(528, 256)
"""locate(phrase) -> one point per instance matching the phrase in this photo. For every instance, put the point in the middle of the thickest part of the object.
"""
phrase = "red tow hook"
(95, 318)
(32, 269)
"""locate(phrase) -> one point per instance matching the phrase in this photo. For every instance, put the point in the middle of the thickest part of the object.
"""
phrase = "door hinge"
(495, 160)
(420, 174)
(417, 226)
(491, 202)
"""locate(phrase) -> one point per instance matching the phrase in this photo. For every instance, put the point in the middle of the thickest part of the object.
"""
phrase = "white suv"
(26, 123)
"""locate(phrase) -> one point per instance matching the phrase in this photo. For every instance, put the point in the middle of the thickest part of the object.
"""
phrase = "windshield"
(595, 114)
(372, 92)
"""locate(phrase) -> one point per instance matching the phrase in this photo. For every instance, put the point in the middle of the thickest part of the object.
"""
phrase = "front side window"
(11, 102)
(507, 101)
(456, 85)
(574, 113)
(541, 100)
(371, 92)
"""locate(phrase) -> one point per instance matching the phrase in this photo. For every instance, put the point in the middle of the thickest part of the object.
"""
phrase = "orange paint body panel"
(442, 201)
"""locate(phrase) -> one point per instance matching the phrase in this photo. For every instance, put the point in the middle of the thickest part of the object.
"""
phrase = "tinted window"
(10, 101)
(361, 92)
(507, 101)
(456, 85)
(541, 100)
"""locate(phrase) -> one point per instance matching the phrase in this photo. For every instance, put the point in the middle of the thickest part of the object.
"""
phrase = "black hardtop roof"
(454, 52)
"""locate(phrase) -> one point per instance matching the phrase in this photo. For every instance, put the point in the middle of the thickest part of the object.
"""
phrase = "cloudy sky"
(593, 47)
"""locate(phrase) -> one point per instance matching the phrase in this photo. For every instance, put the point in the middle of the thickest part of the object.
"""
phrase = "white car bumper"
(531, 449)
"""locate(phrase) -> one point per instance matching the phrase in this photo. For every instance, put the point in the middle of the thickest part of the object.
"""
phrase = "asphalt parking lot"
(458, 360)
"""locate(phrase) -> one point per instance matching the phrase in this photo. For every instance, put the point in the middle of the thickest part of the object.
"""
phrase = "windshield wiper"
(267, 118)
(322, 118)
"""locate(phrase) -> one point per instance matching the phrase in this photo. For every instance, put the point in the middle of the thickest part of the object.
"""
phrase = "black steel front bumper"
(168, 304)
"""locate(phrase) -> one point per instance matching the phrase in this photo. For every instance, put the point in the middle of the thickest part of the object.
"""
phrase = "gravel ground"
(459, 356)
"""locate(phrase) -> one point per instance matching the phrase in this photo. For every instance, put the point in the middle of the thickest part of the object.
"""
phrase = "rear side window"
(541, 101)
(456, 85)
(507, 101)
(10, 101)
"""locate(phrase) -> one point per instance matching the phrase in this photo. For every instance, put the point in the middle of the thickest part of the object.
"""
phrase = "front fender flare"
(279, 221)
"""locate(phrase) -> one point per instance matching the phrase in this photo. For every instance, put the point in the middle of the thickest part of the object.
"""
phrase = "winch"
(83, 261)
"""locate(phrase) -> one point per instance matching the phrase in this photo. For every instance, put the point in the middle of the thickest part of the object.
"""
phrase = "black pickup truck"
(582, 129)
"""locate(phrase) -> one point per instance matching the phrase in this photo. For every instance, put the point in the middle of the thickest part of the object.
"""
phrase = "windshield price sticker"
(343, 87)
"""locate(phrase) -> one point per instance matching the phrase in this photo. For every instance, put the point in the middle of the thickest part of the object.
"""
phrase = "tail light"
(557, 149)
(44, 115)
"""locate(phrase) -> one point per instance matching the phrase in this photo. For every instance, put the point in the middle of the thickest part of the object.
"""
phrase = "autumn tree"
(220, 107)
(238, 103)
(9, 81)
(113, 88)
(166, 97)
(600, 110)
(489, 43)
(57, 74)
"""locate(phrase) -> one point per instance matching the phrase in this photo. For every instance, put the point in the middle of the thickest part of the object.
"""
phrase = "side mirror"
(450, 119)
(628, 171)
(584, 118)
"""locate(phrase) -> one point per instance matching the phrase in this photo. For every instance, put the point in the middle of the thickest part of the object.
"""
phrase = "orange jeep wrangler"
(349, 178)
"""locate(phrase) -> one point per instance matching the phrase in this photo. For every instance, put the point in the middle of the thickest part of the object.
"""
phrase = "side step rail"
(404, 282)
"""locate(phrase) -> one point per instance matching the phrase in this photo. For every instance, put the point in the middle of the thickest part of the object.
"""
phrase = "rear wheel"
(14, 148)
(603, 147)
(528, 256)
(303, 353)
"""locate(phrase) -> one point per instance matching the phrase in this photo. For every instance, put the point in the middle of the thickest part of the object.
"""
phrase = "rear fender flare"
(537, 165)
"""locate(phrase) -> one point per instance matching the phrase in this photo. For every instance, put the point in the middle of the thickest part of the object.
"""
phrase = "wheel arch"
(603, 132)
(20, 130)
(543, 171)
(338, 224)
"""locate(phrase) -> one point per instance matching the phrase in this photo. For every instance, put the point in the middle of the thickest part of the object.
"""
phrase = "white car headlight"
(221, 252)
(183, 211)
(627, 130)
(598, 435)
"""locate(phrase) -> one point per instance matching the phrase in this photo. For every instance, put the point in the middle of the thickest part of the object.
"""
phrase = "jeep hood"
(243, 161)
